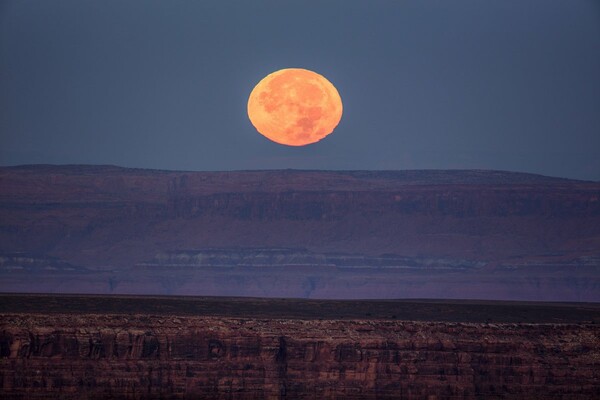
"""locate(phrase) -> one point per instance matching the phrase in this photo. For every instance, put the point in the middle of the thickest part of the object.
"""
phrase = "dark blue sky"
(512, 85)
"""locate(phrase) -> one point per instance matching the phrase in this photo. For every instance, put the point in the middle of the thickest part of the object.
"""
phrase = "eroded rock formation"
(84, 356)
(101, 215)
(468, 234)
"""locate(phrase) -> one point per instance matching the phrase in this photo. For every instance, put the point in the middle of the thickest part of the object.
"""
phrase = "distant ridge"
(407, 177)
(386, 234)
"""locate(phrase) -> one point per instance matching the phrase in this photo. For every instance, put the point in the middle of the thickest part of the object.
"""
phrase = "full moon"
(294, 107)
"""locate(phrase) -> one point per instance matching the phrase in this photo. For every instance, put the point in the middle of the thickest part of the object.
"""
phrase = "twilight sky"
(497, 84)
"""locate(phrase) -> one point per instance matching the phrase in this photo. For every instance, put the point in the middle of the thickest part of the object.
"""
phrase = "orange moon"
(295, 107)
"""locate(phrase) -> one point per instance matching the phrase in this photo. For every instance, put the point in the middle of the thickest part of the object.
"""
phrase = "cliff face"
(85, 356)
(458, 234)
(96, 216)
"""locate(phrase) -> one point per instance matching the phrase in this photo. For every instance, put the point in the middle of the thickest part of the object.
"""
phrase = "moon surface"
(295, 107)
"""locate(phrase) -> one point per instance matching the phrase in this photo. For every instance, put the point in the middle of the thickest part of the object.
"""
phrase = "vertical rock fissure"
(281, 361)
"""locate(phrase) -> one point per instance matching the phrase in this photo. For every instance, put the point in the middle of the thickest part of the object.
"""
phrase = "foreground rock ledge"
(102, 356)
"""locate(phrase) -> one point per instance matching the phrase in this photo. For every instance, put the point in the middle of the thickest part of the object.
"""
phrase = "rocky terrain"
(360, 234)
(175, 348)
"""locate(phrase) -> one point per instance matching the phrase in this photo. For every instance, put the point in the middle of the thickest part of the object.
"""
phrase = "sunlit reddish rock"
(84, 356)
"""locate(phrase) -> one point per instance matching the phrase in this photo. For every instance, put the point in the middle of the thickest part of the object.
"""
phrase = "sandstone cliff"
(469, 234)
(94, 216)
(95, 355)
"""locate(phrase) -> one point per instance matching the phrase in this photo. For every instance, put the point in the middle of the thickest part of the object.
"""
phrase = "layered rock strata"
(100, 215)
(445, 234)
(145, 356)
